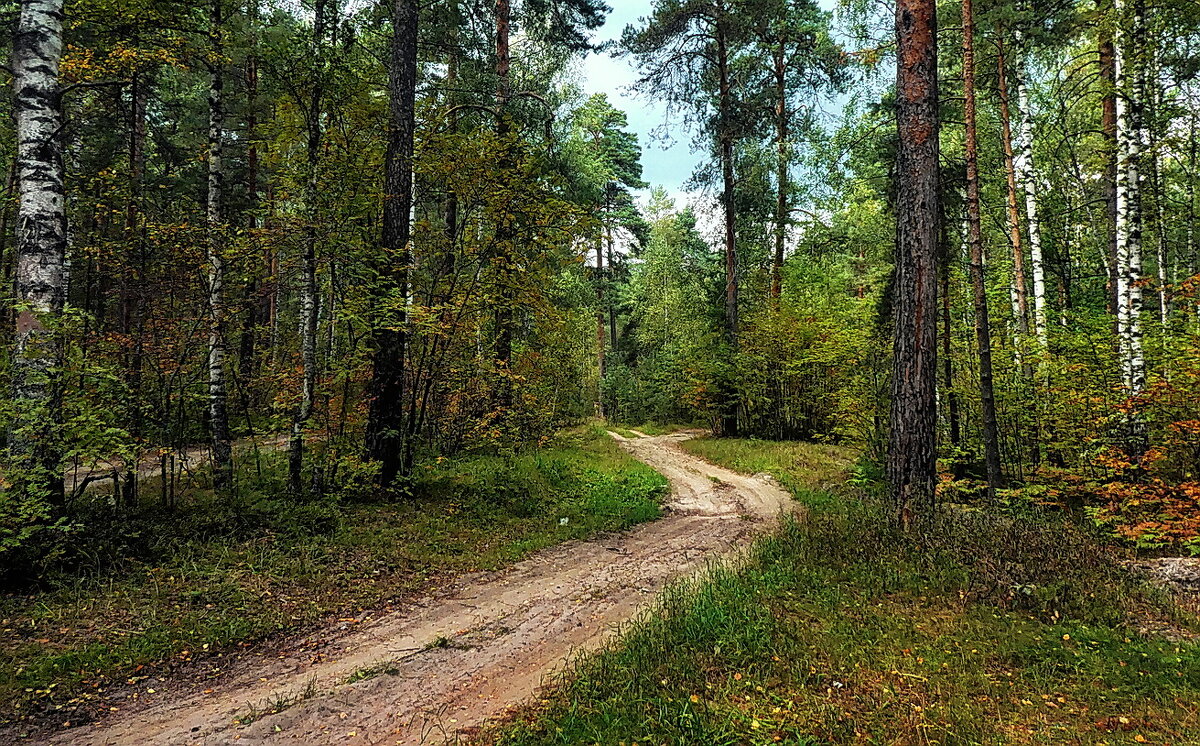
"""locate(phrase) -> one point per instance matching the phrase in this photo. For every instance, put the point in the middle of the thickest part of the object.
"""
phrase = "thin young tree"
(983, 333)
(912, 443)
(314, 131)
(1020, 285)
(1027, 179)
(218, 400)
(1130, 24)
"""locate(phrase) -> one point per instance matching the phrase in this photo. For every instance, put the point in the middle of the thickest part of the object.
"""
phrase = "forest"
(364, 386)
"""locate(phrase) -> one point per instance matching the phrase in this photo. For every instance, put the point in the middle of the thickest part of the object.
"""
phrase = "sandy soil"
(439, 669)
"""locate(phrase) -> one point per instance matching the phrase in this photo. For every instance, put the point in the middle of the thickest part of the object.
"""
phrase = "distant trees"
(730, 69)
(285, 259)
(684, 52)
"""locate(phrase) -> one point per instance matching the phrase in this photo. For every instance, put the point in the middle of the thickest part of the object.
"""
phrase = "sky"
(601, 73)
(666, 162)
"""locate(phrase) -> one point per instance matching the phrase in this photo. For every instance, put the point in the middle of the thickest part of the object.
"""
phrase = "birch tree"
(41, 246)
(1019, 288)
(218, 399)
(1027, 177)
(1129, 214)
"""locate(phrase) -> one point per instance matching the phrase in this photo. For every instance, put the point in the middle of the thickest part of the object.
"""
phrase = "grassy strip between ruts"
(838, 630)
(193, 591)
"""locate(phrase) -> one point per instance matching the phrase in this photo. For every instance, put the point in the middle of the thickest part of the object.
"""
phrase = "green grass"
(803, 468)
(206, 583)
(838, 630)
(656, 428)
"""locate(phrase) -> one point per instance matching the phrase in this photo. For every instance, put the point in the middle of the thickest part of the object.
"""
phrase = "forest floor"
(439, 668)
(185, 461)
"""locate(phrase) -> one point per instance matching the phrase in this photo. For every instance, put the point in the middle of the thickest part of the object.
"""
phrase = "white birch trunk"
(218, 409)
(1027, 176)
(1129, 219)
(41, 238)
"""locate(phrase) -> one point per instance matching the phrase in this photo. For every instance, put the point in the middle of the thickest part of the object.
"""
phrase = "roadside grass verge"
(839, 630)
(800, 467)
(656, 428)
(210, 578)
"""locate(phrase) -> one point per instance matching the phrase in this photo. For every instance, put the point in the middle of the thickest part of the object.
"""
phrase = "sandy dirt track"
(454, 660)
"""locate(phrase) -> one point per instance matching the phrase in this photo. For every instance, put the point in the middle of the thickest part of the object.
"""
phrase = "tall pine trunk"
(983, 334)
(41, 249)
(912, 444)
(385, 426)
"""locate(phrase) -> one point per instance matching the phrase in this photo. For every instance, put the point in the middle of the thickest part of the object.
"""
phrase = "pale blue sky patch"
(667, 158)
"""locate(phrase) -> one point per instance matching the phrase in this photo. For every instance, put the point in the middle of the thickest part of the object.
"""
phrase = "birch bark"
(218, 406)
(1027, 176)
(41, 243)
(1129, 219)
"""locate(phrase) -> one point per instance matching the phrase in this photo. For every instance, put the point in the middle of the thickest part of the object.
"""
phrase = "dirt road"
(451, 662)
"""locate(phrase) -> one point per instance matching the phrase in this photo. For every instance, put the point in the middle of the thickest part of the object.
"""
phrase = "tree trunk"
(1020, 285)
(41, 248)
(1160, 196)
(600, 343)
(1108, 126)
(308, 257)
(218, 406)
(912, 444)
(385, 425)
(1193, 255)
(504, 230)
(1027, 175)
(249, 336)
(781, 168)
(983, 334)
(1129, 218)
(947, 357)
(612, 312)
(134, 279)
(728, 397)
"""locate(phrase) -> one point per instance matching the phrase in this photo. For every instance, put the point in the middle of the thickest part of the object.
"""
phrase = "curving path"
(444, 666)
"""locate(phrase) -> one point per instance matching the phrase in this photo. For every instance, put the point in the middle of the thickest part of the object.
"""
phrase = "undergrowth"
(210, 577)
(840, 630)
